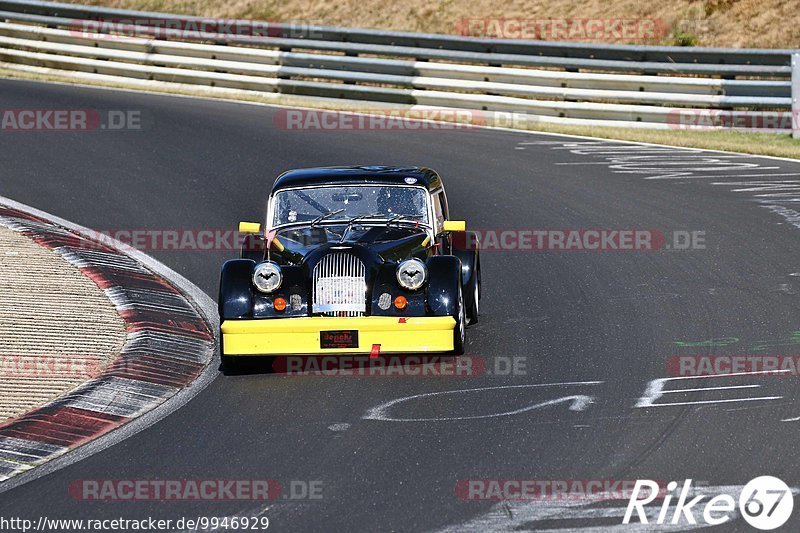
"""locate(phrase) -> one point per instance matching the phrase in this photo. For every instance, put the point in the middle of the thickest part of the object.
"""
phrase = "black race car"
(352, 260)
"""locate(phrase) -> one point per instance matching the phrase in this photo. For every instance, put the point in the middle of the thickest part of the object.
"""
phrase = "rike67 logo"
(765, 503)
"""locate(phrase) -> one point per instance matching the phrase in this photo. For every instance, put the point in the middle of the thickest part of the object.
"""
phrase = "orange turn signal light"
(400, 302)
(279, 304)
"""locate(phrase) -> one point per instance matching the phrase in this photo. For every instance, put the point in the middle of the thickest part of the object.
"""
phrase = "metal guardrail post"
(796, 95)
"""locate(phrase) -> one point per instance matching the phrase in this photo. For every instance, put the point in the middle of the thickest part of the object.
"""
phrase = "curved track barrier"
(573, 83)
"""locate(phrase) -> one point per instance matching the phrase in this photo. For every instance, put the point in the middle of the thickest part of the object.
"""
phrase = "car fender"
(466, 247)
(444, 278)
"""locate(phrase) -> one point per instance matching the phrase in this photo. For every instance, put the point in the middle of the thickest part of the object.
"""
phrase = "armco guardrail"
(664, 54)
(577, 83)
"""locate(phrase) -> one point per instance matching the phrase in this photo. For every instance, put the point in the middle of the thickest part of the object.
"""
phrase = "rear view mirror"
(455, 225)
(350, 197)
(249, 227)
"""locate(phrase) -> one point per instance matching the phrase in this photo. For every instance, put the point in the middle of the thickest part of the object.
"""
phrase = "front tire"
(460, 331)
(475, 290)
(230, 365)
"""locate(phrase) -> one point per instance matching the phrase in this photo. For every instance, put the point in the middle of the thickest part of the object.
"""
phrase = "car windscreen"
(342, 203)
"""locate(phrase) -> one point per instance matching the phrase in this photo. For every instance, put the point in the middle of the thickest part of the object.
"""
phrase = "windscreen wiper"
(310, 201)
(404, 219)
(324, 216)
(358, 218)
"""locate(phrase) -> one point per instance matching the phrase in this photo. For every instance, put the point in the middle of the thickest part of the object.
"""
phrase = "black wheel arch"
(444, 279)
(467, 248)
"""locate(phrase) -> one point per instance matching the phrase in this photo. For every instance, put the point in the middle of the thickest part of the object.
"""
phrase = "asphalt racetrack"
(591, 329)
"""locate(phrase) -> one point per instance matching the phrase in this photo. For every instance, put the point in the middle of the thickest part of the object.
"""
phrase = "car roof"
(386, 175)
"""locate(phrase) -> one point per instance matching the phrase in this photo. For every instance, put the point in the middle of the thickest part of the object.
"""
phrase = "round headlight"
(411, 274)
(267, 276)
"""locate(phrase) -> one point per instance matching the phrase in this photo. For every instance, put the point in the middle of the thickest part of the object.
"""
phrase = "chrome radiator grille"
(340, 287)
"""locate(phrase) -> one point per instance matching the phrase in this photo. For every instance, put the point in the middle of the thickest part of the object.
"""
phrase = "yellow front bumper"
(302, 335)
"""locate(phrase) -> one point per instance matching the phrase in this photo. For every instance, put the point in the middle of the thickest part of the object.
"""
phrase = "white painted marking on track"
(655, 389)
(711, 388)
(578, 402)
(655, 162)
(662, 162)
(705, 402)
(752, 176)
(733, 374)
(581, 163)
(655, 157)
